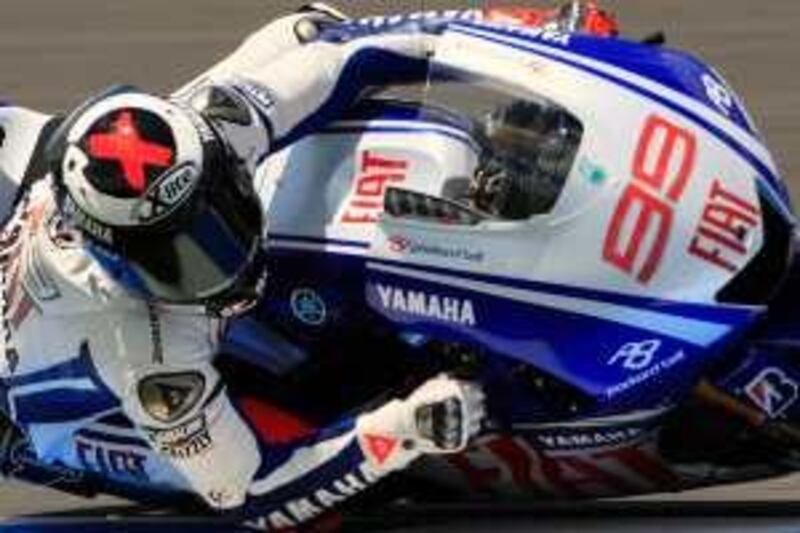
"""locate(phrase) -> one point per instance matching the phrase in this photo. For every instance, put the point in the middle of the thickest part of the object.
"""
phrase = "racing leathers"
(103, 381)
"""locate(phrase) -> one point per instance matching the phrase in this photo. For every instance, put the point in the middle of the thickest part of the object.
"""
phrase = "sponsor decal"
(258, 94)
(589, 438)
(304, 509)
(640, 227)
(86, 223)
(718, 94)
(401, 244)
(453, 14)
(111, 460)
(500, 463)
(547, 34)
(772, 391)
(380, 447)
(427, 305)
(513, 21)
(167, 193)
(635, 355)
(185, 441)
(726, 222)
(645, 375)
(367, 25)
(376, 173)
(308, 307)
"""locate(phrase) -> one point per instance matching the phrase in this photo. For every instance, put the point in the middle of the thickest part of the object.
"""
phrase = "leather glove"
(439, 417)
(447, 413)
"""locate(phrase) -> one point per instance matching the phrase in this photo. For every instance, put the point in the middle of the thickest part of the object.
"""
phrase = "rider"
(141, 234)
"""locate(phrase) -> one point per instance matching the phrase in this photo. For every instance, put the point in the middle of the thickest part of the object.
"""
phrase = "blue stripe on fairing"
(728, 314)
(656, 319)
(724, 313)
(319, 240)
(399, 129)
(762, 168)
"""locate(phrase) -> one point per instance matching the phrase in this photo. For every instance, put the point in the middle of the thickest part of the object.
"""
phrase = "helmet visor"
(207, 256)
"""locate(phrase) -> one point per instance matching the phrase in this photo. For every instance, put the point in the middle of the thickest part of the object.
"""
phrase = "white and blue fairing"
(650, 248)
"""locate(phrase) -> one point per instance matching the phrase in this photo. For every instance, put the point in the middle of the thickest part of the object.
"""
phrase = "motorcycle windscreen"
(526, 142)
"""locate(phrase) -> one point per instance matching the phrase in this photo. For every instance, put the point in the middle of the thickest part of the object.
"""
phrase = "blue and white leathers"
(89, 368)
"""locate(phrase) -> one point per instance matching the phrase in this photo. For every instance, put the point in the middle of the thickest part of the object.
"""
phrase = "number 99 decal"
(662, 167)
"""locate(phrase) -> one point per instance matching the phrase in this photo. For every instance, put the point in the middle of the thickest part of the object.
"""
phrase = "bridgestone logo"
(435, 306)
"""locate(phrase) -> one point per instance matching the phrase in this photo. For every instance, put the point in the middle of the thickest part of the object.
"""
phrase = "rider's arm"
(219, 450)
(303, 478)
(305, 87)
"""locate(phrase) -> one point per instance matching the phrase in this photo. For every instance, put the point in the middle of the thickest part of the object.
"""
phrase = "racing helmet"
(162, 201)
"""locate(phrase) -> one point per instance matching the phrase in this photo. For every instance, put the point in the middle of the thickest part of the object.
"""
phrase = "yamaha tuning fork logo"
(308, 307)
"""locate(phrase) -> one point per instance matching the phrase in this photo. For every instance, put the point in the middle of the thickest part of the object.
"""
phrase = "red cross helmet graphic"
(132, 159)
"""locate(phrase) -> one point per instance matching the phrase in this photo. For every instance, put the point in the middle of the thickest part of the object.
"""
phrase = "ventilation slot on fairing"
(402, 203)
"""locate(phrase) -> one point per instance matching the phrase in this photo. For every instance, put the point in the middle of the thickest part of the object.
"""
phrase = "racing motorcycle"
(589, 226)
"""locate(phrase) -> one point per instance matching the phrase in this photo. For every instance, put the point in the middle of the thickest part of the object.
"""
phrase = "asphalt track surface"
(54, 53)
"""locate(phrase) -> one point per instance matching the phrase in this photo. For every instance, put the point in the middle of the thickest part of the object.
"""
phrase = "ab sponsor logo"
(635, 355)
